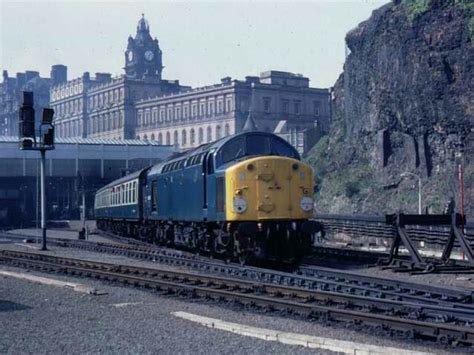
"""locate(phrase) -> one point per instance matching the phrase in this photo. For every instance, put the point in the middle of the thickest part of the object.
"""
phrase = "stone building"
(279, 102)
(11, 95)
(102, 106)
(140, 104)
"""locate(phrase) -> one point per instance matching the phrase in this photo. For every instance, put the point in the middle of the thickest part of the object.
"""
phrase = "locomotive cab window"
(233, 150)
(258, 145)
(281, 148)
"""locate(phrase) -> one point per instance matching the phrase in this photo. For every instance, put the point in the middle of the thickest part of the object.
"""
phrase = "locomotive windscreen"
(255, 145)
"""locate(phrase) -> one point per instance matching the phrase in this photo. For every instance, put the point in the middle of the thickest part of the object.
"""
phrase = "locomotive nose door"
(272, 189)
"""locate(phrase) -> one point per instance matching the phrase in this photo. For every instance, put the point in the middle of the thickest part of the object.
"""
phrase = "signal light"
(48, 137)
(27, 116)
(26, 144)
(48, 114)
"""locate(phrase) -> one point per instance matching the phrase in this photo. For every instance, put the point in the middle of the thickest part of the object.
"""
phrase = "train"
(245, 197)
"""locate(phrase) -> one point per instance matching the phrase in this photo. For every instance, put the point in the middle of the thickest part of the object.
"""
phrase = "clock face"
(148, 55)
(130, 56)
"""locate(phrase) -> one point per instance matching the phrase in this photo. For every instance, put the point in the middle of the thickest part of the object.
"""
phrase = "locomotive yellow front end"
(269, 188)
(269, 201)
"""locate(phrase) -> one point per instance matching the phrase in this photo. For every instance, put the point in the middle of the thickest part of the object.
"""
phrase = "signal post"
(41, 140)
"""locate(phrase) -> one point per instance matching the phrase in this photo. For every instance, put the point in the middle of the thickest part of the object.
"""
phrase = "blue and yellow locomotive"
(244, 196)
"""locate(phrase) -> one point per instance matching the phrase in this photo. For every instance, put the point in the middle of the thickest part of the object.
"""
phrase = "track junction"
(394, 307)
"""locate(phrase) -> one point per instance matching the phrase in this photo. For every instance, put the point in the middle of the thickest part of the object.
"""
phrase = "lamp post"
(405, 174)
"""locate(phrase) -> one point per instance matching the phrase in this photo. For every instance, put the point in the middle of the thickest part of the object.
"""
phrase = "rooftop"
(90, 141)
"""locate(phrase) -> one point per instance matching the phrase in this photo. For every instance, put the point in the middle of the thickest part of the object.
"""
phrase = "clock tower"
(143, 57)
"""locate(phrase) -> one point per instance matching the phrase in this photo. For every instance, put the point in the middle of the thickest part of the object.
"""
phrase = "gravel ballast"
(39, 318)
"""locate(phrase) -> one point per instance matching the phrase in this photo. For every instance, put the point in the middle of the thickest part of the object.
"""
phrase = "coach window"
(130, 192)
(134, 192)
(127, 190)
(123, 194)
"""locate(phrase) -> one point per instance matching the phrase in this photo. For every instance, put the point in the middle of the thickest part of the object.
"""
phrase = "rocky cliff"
(404, 103)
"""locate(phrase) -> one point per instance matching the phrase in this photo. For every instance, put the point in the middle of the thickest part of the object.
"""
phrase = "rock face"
(404, 103)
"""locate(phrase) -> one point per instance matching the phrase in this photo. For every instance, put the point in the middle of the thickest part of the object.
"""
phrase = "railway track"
(396, 318)
(307, 277)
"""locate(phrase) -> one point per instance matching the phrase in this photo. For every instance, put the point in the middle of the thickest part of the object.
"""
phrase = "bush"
(352, 188)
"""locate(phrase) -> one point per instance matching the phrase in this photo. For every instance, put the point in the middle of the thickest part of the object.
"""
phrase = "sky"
(201, 41)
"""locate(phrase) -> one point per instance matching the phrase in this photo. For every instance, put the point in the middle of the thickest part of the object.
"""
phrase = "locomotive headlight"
(306, 203)
(239, 204)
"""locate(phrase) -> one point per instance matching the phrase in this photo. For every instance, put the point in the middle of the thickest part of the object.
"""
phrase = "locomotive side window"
(154, 190)
(233, 150)
(210, 163)
(258, 145)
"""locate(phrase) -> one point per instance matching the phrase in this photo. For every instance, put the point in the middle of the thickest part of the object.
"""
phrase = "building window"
(168, 138)
(185, 112)
(152, 137)
(227, 129)
(267, 104)
(211, 109)
(285, 106)
(145, 137)
(316, 107)
(209, 134)
(121, 119)
(162, 115)
(175, 137)
(155, 116)
(160, 138)
(220, 108)
(194, 110)
(297, 107)
(170, 114)
(218, 132)
(147, 117)
(244, 105)
(178, 113)
(183, 137)
(192, 138)
(201, 135)
(140, 118)
(201, 110)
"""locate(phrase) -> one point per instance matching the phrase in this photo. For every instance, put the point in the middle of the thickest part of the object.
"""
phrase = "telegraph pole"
(28, 141)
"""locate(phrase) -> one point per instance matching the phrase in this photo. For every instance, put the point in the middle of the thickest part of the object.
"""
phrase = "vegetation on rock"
(404, 103)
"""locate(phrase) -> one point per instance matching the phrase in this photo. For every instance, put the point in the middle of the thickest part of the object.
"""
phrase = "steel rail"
(230, 289)
(422, 310)
(313, 278)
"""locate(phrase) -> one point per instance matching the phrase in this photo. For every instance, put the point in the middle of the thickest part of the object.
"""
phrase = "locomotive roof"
(217, 144)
